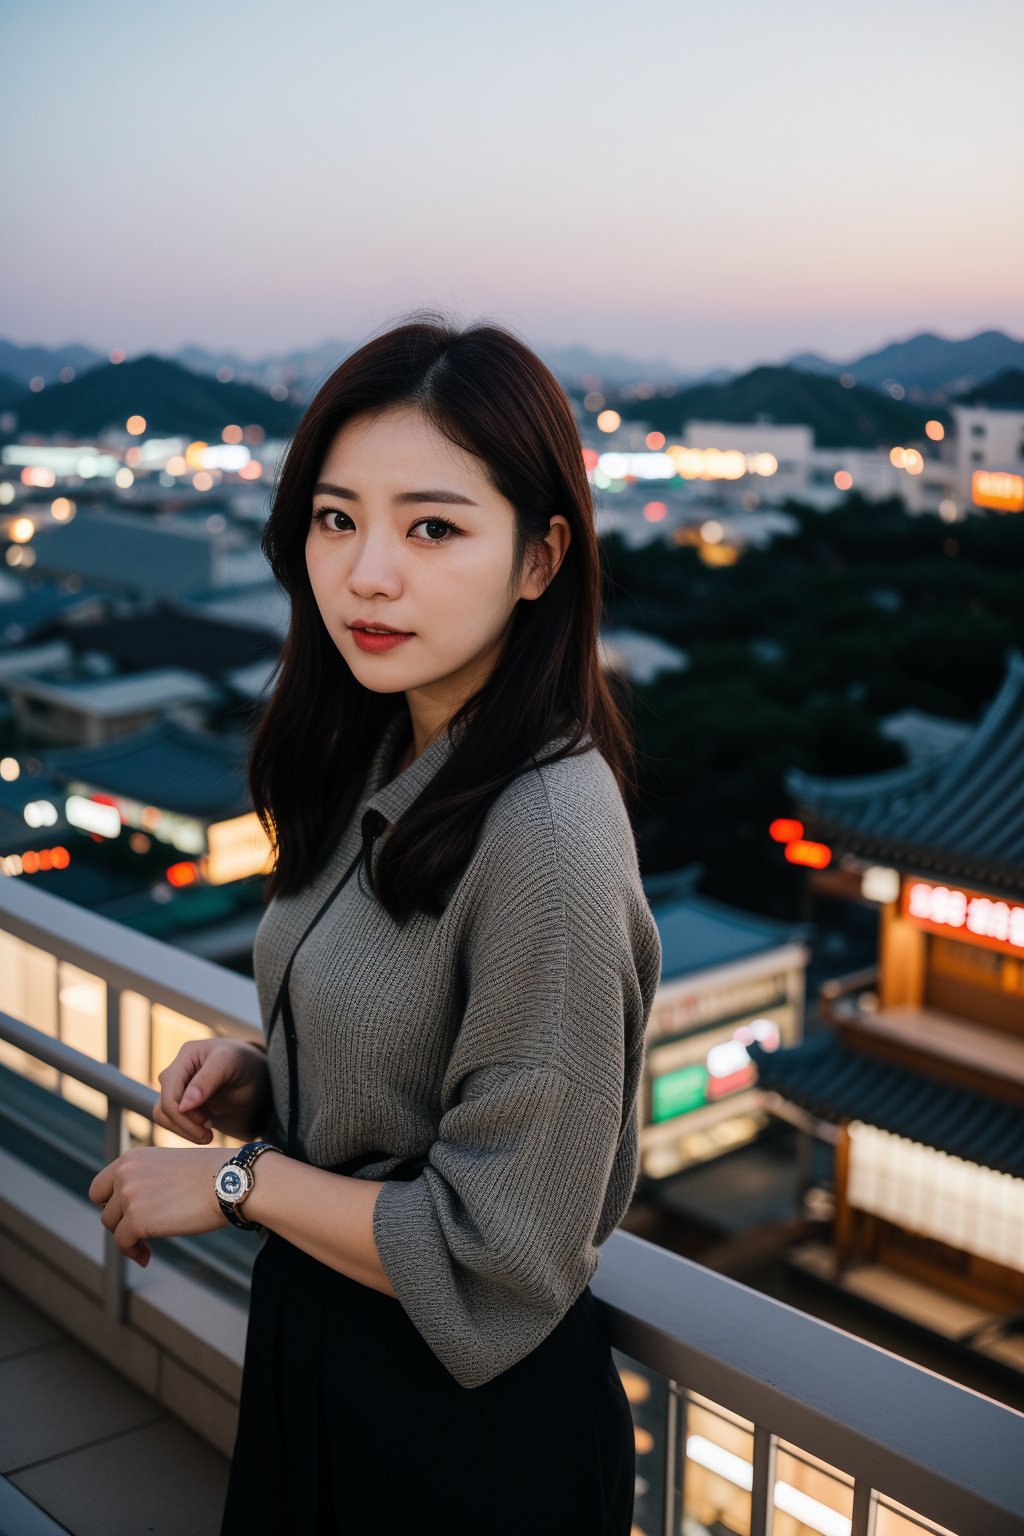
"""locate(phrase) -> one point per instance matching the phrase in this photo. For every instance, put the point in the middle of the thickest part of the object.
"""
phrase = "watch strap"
(248, 1154)
(244, 1158)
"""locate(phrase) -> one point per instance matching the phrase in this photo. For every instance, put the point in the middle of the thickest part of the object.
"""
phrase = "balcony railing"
(898, 1445)
(842, 992)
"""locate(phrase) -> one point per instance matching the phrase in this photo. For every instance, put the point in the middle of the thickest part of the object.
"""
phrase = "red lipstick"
(368, 641)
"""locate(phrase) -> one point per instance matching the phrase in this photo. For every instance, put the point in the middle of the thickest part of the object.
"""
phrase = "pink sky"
(717, 185)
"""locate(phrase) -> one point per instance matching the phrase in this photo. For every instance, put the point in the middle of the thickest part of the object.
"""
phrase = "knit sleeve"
(492, 1243)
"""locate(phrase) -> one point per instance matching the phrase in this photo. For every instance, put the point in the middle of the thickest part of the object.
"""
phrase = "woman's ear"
(545, 557)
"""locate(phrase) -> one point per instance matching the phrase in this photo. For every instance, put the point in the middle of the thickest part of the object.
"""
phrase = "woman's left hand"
(159, 1192)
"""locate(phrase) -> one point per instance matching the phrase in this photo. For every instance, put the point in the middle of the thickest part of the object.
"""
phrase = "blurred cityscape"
(816, 596)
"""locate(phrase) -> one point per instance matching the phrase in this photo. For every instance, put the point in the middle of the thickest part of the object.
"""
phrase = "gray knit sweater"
(503, 1041)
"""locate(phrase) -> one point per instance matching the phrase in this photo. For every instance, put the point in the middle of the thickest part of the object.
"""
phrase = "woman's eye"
(441, 530)
(321, 513)
(435, 523)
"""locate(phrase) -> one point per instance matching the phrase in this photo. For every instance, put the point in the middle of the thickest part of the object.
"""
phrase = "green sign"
(679, 1091)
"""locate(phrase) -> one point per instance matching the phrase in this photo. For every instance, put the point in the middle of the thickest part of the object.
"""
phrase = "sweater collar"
(388, 801)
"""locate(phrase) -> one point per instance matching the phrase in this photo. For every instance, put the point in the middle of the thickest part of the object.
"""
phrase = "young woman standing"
(455, 969)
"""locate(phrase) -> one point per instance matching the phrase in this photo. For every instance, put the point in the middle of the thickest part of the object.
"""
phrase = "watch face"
(233, 1182)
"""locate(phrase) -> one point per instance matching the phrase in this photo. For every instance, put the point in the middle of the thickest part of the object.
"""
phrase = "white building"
(791, 446)
(989, 457)
(873, 475)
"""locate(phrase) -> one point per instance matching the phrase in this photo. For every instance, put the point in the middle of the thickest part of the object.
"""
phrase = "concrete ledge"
(183, 1344)
(192, 1400)
(20, 1517)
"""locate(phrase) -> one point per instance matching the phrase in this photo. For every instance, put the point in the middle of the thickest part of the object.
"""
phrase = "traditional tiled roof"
(958, 817)
(167, 765)
(836, 1083)
(698, 933)
(39, 611)
(168, 635)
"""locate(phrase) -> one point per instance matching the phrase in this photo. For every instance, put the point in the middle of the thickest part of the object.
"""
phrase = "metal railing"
(898, 1430)
(126, 962)
(839, 990)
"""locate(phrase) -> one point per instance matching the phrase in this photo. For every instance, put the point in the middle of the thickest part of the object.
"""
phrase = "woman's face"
(407, 531)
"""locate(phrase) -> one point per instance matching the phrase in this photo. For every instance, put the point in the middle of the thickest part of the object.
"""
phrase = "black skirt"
(348, 1423)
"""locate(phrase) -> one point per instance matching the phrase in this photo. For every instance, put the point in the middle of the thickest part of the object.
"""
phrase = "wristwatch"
(235, 1180)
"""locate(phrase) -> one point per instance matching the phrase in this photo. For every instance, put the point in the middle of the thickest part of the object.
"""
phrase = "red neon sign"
(814, 855)
(972, 916)
(183, 873)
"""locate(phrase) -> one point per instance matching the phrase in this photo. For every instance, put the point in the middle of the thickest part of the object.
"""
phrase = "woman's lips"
(371, 642)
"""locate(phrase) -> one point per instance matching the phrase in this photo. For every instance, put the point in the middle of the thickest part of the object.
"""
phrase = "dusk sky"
(718, 184)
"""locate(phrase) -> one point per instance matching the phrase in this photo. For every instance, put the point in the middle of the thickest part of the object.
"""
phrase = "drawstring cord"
(373, 824)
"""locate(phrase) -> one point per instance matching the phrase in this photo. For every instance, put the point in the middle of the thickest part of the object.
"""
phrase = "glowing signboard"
(725, 1070)
(998, 489)
(238, 848)
(970, 915)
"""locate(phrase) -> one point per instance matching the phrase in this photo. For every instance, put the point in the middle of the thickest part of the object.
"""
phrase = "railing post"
(115, 1289)
(762, 1493)
(675, 1422)
(865, 1509)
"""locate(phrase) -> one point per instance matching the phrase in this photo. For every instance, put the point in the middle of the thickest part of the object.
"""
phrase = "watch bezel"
(245, 1174)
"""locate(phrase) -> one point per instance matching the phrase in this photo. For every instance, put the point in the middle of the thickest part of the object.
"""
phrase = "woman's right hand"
(218, 1082)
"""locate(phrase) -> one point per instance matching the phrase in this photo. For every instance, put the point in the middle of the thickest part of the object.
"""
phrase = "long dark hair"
(490, 394)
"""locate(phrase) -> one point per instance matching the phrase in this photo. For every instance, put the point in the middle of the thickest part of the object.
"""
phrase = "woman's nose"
(374, 569)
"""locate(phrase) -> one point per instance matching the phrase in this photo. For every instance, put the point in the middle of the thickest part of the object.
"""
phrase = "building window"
(971, 961)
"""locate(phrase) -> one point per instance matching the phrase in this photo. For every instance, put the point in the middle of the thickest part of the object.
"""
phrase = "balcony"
(120, 1385)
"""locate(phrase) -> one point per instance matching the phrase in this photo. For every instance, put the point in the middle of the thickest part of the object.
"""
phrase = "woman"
(455, 970)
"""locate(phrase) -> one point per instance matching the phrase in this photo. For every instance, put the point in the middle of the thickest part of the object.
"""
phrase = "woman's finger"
(131, 1246)
(174, 1079)
(101, 1186)
(112, 1212)
(196, 1060)
(183, 1125)
(212, 1076)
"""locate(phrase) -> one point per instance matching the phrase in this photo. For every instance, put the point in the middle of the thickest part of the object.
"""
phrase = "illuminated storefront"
(920, 1075)
(166, 791)
(154, 828)
(729, 978)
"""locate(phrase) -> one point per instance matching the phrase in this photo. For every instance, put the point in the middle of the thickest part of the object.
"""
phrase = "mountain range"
(177, 400)
(929, 363)
(926, 366)
(173, 399)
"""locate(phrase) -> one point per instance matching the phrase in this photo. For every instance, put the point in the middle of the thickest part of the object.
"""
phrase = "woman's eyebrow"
(402, 497)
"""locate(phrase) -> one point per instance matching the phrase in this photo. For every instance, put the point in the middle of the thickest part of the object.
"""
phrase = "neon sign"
(947, 909)
(814, 855)
(725, 1070)
(998, 489)
(784, 829)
